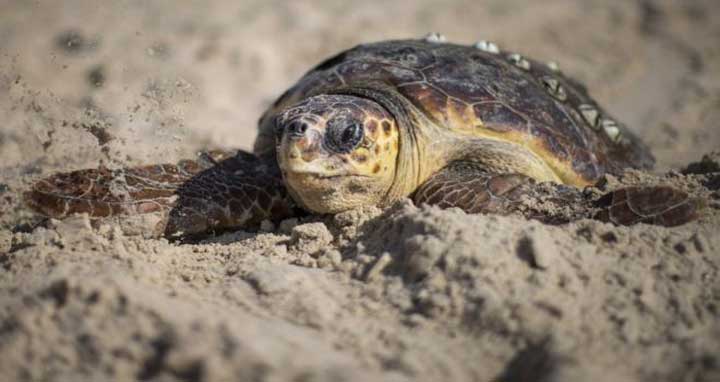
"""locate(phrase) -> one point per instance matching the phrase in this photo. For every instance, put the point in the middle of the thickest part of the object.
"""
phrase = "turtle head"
(337, 152)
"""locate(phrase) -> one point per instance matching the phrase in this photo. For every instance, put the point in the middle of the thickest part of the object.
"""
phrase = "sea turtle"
(474, 127)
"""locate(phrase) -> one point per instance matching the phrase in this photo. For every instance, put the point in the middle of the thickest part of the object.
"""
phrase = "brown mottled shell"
(477, 93)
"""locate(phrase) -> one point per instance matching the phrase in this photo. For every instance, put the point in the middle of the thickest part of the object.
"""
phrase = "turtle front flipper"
(218, 191)
(475, 190)
(238, 192)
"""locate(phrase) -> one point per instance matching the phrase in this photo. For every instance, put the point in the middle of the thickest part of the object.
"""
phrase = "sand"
(405, 294)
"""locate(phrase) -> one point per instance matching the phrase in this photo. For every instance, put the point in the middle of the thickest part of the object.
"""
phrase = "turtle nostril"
(297, 128)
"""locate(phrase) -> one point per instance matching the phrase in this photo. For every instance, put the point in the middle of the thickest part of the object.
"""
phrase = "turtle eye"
(352, 134)
(344, 137)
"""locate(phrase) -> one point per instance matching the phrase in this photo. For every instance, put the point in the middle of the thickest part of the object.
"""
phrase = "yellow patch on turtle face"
(378, 148)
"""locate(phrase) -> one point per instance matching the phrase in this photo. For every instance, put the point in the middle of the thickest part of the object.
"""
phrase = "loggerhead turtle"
(473, 127)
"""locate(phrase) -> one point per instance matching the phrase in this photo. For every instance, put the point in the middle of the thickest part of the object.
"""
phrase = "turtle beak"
(300, 145)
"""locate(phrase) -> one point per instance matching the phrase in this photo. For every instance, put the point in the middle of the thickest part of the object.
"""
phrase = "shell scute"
(473, 91)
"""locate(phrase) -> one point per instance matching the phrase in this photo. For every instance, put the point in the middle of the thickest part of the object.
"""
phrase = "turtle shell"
(482, 91)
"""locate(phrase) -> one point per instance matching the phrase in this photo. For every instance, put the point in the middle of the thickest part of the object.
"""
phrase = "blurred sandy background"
(84, 83)
(190, 74)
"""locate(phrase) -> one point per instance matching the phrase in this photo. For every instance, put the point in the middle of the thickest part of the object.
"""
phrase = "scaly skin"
(219, 191)
(473, 189)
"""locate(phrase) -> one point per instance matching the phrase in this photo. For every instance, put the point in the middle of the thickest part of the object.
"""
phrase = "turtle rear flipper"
(659, 205)
(473, 189)
(466, 186)
(216, 192)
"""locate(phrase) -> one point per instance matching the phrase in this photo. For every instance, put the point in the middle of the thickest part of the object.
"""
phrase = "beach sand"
(404, 294)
